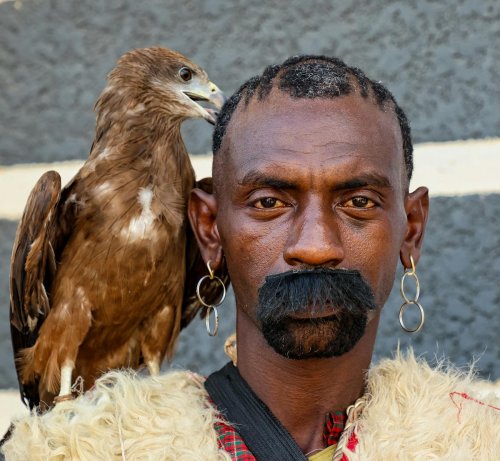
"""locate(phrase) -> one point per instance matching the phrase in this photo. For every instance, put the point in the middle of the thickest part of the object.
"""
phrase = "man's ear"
(202, 211)
(417, 211)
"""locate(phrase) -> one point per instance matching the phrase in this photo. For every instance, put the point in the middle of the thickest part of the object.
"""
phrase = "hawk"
(98, 268)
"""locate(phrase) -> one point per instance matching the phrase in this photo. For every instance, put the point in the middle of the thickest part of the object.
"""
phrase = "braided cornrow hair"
(310, 76)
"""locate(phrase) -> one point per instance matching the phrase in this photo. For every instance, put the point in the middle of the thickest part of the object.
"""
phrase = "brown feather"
(32, 269)
(117, 236)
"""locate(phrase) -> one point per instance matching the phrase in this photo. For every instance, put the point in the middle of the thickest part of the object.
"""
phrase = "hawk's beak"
(208, 93)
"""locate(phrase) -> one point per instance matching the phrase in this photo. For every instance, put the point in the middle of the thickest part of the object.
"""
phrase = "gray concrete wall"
(438, 57)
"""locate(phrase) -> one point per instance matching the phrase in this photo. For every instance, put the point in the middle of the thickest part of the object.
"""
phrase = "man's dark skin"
(303, 183)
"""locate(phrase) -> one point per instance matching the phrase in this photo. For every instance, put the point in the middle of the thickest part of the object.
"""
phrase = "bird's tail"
(25, 362)
(42, 365)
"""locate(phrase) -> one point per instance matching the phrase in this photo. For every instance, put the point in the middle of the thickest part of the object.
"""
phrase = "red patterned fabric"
(334, 426)
(230, 441)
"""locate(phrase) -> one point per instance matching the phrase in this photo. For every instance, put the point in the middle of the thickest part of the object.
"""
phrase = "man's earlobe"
(417, 211)
(202, 211)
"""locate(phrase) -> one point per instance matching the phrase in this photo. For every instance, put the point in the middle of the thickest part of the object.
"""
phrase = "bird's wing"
(210, 290)
(33, 267)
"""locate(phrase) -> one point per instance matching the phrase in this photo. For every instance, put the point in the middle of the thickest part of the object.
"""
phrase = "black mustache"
(313, 290)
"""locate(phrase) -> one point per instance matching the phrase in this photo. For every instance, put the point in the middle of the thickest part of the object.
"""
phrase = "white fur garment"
(414, 412)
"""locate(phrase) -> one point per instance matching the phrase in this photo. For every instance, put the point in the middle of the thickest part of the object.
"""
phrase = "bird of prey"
(98, 268)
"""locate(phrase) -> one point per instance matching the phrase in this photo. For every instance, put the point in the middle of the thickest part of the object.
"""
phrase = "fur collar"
(413, 412)
(416, 412)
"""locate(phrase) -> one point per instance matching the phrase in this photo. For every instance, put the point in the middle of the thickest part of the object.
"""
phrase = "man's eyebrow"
(257, 178)
(364, 180)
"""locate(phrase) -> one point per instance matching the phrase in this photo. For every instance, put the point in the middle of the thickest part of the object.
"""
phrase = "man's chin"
(327, 337)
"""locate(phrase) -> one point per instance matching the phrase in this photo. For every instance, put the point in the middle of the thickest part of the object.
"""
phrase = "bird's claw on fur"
(63, 398)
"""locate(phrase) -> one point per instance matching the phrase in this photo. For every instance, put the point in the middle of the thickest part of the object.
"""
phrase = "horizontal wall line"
(447, 168)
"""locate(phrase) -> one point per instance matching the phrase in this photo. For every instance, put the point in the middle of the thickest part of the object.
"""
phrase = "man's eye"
(359, 202)
(269, 202)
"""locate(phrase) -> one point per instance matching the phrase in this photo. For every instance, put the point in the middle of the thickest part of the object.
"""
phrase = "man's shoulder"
(407, 378)
(148, 417)
(414, 407)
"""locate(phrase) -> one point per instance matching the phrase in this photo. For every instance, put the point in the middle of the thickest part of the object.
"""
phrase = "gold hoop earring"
(409, 301)
(211, 307)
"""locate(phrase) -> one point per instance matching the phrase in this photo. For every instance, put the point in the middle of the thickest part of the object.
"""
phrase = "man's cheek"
(258, 250)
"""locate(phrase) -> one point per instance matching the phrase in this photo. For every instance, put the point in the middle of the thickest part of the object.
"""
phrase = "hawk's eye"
(186, 74)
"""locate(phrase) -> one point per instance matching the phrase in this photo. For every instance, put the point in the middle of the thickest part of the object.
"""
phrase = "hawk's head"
(162, 84)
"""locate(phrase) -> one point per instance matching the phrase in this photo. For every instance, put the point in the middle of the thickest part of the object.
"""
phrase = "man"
(311, 212)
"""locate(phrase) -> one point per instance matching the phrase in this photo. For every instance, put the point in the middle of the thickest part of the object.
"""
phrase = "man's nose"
(314, 239)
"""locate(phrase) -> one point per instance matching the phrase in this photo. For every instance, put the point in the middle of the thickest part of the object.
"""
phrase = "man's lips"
(314, 312)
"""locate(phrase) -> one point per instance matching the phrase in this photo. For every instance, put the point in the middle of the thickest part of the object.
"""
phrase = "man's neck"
(301, 392)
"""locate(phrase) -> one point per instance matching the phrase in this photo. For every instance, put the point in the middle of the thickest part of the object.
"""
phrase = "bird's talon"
(63, 398)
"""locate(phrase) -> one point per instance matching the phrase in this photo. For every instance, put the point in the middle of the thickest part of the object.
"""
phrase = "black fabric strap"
(263, 434)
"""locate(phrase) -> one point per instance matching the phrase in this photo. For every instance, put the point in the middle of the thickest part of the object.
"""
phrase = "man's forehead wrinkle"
(278, 157)
(310, 144)
(378, 157)
(263, 165)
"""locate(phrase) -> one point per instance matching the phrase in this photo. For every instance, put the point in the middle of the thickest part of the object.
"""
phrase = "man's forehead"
(280, 125)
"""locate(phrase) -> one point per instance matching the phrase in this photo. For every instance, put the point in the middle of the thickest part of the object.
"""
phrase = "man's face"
(304, 184)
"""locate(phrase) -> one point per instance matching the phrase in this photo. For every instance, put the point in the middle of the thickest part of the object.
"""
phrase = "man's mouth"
(315, 312)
